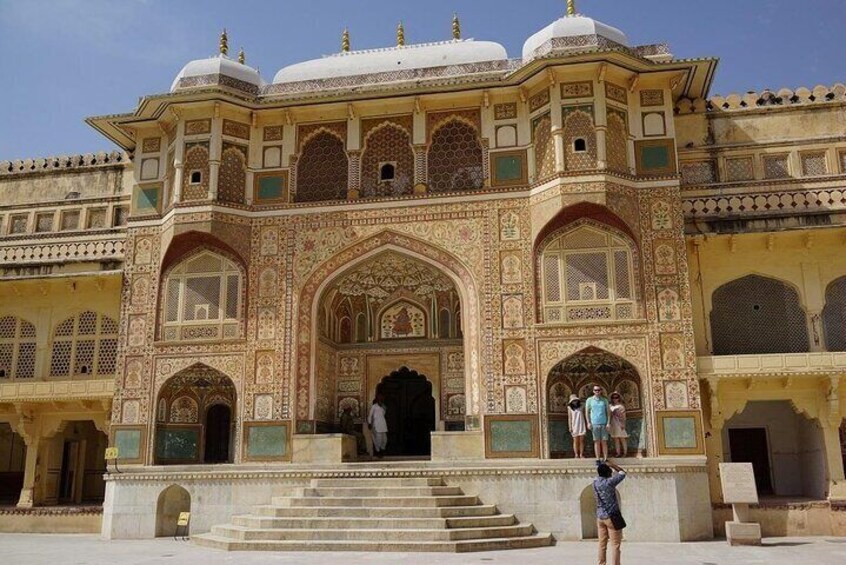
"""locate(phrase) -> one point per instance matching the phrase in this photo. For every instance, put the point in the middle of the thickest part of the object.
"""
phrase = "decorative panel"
(197, 127)
(178, 444)
(655, 158)
(322, 169)
(272, 133)
(455, 160)
(147, 199)
(577, 89)
(776, 166)
(740, 169)
(70, 220)
(513, 436)
(698, 172)
(651, 98)
(616, 93)
(196, 160)
(266, 441)
(130, 444)
(232, 177)
(151, 145)
(506, 111)
(539, 100)
(578, 124)
(814, 164)
(271, 188)
(509, 168)
(680, 432)
(544, 147)
(236, 129)
(391, 144)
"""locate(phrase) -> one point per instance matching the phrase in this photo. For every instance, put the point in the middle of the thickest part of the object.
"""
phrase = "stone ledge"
(50, 510)
(64, 390)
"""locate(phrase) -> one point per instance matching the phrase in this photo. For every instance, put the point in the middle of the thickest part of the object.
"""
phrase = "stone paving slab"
(35, 549)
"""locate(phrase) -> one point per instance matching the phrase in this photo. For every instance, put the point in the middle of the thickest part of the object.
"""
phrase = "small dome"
(542, 42)
(220, 65)
(421, 56)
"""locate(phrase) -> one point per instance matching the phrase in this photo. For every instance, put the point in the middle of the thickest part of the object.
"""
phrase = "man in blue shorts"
(599, 422)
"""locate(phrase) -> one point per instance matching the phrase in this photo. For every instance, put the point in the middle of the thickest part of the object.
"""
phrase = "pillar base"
(27, 498)
(743, 533)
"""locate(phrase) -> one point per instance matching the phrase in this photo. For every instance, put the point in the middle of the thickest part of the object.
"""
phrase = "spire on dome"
(345, 41)
(456, 27)
(571, 8)
(242, 57)
(400, 35)
(224, 43)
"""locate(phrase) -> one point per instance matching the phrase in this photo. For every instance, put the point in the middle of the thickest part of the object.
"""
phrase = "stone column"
(831, 418)
(714, 439)
(421, 169)
(178, 162)
(215, 148)
(560, 150)
(601, 147)
(28, 426)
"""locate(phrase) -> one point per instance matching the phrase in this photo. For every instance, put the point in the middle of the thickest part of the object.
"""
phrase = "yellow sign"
(184, 518)
(111, 453)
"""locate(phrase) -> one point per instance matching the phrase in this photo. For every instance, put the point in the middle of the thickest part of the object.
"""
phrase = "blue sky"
(64, 60)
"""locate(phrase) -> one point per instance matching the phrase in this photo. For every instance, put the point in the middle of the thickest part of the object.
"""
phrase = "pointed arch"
(456, 157)
(347, 260)
(322, 167)
(202, 293)
(758, 314)
(387, 143)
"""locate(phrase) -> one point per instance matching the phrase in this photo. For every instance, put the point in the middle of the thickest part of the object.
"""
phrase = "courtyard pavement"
(34, 549)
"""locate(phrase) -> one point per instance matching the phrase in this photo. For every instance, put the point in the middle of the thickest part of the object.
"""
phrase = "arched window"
(578, 125)
(834, 316)
(455, 158)
(85, 345)
(17, 348)
(544, 147)
(756, 315)
(202, 299)
(587, 274)
(232, 179)
(387, 163)
(322, 169)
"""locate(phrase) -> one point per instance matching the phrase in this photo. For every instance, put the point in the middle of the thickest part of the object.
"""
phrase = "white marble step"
(276, 511)
(241, 533)
(494, 544)
(252, 521)
(379, 501)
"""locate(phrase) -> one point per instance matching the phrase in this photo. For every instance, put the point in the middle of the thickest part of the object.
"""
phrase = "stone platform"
(664, 500)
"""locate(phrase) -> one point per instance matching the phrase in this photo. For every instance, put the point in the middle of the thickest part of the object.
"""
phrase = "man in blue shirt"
(605, 490)
(599, 421)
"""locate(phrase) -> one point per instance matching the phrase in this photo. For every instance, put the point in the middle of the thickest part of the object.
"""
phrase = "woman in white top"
(577, 425)
(378, 426)
(619, 435)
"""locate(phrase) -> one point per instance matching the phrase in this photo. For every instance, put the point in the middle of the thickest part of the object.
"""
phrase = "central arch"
(195, 418)
(462, 320)
(577, 374)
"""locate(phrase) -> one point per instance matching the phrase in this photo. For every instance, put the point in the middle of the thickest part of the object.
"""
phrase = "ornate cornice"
(529, 467)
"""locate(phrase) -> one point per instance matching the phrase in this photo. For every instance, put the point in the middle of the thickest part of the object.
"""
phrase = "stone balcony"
(772, 365)
(57, 390)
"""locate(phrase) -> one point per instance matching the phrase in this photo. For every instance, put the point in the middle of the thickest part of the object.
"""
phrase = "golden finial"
(345, 41)
(224, 43)
(400, 35)
(571, 7)
(242, 57)
(456, 27)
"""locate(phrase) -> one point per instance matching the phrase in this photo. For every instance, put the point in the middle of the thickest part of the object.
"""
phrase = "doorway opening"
(750, 445)
(410, 413)
(218, 425)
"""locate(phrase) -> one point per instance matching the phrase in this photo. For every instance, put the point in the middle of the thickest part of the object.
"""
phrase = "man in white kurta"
(378, 426)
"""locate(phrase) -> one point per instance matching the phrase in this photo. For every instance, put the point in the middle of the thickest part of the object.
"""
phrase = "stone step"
(386, 482)
(378, 501)
(391, 492)
(240, 533)
(492, 544)
(275, 511)
(251, 521)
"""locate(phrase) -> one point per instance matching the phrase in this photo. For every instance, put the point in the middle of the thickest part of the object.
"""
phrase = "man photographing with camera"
(609, 520)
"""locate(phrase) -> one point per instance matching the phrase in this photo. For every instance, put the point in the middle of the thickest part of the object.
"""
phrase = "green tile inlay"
(655, 157)
(271, 188)
(680, 433)
(178, 444)
(511, 436)
(509, 167)
(128, 443)
(267, 441)
(147, 199)
(560, 439)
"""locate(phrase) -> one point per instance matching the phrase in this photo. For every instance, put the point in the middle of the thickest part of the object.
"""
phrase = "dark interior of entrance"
(410, 413)
(218, 424)
(749, 445)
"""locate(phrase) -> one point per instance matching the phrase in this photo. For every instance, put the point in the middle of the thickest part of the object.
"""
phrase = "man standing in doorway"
(608, 510)
(599, 422)
(378, 425)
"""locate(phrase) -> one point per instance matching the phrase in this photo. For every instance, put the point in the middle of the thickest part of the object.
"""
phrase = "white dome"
(218, 65)
(572, 26)
(421, 56)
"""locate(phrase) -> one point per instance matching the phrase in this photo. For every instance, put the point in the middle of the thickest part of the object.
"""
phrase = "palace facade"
(476, 236)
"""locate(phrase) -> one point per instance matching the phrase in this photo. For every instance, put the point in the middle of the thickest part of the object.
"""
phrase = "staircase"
(391, 514)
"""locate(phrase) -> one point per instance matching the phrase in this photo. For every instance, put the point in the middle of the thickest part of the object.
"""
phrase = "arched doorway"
(172, 501)
(410, 413)
(379, 313)
(195, 418)
(577, 375)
